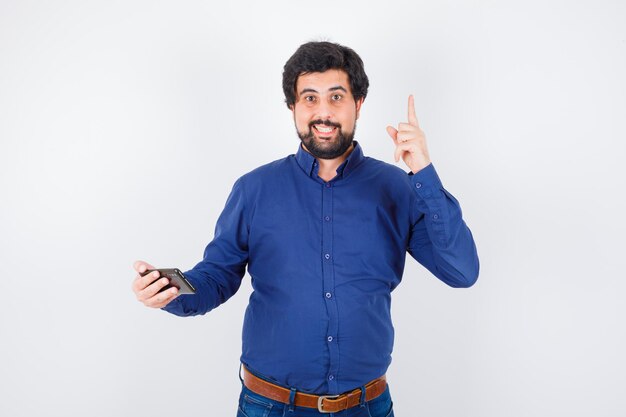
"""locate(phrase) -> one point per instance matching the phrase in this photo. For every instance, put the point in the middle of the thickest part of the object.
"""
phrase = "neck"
(328, 167)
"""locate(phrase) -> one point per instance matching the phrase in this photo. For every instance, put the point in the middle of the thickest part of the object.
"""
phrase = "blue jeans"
(252, 404)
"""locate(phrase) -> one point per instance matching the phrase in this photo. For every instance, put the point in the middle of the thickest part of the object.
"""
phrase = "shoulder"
(265, 172)
(385, 171)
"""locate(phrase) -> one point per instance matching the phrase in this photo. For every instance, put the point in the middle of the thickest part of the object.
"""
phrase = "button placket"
(328, 283)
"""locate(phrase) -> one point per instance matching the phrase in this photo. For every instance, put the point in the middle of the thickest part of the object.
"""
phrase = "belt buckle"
(321, 398)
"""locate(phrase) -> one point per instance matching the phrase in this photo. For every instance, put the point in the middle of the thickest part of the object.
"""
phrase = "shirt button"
(328, 295)
(435, 216)
(418, 185)
(330, 338)
(327, 256)
(327, 218)
(327, 185)
(330, 377)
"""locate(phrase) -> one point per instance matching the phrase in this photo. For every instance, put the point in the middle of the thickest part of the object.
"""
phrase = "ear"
(358, 106)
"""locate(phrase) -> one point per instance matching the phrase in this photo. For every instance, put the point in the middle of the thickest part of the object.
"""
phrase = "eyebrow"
(335, 88)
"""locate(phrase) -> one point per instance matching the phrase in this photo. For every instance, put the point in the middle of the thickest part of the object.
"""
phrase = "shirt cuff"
(426, 182)
(173, 306)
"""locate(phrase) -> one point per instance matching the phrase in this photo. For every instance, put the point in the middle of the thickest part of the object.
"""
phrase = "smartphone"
(177, 279)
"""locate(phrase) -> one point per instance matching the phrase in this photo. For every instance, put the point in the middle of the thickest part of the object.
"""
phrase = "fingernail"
(142, 268)
(155, 274)
(164, 281)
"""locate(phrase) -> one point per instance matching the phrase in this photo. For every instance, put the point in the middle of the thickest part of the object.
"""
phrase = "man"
(324, 234)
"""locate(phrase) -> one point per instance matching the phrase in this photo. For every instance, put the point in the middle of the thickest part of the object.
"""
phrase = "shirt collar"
(309, 165)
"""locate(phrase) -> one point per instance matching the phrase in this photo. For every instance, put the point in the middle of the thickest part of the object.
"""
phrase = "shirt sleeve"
(440, 240)
(218, 276)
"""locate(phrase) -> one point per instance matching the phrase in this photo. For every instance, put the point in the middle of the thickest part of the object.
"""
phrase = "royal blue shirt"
(323, 258)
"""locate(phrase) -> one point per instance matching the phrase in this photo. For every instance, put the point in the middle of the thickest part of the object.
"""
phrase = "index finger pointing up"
(412, 116)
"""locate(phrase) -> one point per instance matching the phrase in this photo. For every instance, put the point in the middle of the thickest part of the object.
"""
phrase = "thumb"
(393, 133)
(141, 266)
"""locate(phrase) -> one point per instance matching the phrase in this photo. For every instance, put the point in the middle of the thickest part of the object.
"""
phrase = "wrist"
(415, 168)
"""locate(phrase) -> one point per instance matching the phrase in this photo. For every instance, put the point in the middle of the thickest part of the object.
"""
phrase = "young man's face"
(325, 113)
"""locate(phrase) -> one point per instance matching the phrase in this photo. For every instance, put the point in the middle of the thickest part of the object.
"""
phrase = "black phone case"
(177, 279)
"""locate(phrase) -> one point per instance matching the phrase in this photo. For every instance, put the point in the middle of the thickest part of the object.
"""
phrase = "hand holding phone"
(148, 288)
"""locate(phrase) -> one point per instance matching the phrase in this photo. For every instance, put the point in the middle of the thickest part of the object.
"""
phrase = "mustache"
(325, 123)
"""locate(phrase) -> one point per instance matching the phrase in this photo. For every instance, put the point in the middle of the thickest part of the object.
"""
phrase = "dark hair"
(320, 57)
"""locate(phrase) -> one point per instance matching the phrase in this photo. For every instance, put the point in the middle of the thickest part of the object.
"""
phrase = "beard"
(327, 148)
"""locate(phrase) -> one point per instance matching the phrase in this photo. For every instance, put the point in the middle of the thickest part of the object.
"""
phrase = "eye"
(337, 97)
(310, 99)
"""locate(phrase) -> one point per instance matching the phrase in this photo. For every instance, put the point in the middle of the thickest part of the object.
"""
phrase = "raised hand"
(410, 141)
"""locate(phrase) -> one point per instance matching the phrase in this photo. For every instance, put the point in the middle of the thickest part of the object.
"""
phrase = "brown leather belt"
(323, 403)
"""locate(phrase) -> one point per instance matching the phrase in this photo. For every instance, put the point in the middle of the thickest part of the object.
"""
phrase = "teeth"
(324, 129)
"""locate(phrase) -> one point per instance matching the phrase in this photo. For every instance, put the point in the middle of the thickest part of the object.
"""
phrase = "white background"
(123, 125)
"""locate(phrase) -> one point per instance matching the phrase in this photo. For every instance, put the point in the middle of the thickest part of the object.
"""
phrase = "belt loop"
(362, 400)
(239, 374)
(292, 399)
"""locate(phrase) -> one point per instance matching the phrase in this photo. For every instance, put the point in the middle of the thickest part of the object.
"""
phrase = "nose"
(324, 110)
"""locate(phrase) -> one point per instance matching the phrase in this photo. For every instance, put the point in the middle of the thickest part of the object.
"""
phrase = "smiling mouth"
(325, 130)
